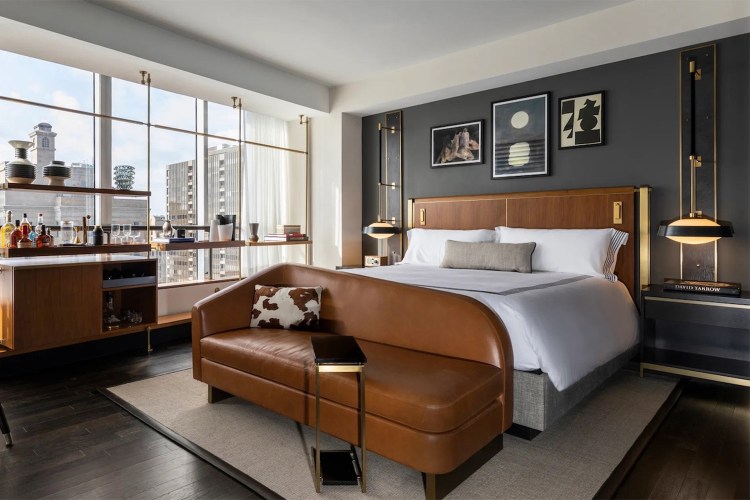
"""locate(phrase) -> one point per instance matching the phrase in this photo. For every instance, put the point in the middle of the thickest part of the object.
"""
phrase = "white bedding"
(560, 323)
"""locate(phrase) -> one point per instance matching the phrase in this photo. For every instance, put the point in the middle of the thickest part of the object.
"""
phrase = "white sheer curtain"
(266, 198)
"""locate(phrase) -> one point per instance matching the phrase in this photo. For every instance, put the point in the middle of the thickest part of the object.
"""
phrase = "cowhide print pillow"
(289, 308)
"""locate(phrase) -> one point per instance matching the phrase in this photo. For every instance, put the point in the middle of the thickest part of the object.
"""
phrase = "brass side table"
(337, 354)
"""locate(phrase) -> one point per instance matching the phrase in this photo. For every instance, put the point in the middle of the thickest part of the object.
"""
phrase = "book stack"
(286, 237)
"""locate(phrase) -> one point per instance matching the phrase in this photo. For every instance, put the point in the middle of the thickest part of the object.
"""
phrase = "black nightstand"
(696, 335)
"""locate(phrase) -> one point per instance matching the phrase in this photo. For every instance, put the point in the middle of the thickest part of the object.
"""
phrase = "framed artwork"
(459, 144)
(582, 120)
(520, 137)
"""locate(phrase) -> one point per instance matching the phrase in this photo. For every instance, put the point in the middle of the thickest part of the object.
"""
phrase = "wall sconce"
(697, 232)
(388, 191)
(694, 228)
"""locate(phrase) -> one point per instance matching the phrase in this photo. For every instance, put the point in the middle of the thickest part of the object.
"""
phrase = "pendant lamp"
(694, 228)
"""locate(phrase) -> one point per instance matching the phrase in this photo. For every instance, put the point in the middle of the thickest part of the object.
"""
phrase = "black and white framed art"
(520, 137)
(582, 120)
(459, 144)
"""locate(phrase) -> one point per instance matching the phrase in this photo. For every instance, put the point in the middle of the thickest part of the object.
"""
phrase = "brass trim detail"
(422, 217)
(341, 368)
(694, 373)
(617, 212)
(644, 235)
(410, 213)
(700, 303)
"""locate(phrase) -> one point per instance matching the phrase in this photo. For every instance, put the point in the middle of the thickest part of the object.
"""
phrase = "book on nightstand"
(710, 287)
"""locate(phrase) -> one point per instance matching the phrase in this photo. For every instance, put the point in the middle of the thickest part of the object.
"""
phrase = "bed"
(569, 331)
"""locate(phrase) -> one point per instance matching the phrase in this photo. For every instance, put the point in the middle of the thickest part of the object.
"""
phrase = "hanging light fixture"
(694, 228)
(382, 228)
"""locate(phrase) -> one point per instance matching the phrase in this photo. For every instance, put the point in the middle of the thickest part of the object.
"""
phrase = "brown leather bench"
(439, 371)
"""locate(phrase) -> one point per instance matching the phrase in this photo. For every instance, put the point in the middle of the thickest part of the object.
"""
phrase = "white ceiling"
(342, 41)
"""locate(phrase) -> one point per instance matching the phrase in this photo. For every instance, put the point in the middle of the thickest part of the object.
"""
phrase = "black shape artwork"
(582, 121)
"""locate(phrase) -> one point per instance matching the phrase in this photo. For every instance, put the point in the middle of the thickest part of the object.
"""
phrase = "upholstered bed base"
(536, 402)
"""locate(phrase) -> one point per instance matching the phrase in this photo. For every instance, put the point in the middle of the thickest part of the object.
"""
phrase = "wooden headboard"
(571, 209)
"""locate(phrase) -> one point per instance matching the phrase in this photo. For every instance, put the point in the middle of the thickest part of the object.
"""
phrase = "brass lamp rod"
(695, 159)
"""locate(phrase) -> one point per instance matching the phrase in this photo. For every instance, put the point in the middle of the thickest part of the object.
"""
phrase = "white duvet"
(560, 323)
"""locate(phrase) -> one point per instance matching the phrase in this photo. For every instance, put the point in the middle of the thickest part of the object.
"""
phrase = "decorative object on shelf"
(253, 228)
(520, 137)
(56, 173)
(213, 230)
(181, 233)
(124, 177)
(228, 219)
(166, 229)
(20, 170)
(581, 120)
(695, 230)
(459, 144)
(389, 186)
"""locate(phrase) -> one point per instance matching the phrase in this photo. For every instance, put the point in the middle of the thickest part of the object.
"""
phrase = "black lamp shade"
(381, 230)
(694, 229)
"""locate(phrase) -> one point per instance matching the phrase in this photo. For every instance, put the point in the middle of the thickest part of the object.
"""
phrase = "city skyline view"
(64, 86)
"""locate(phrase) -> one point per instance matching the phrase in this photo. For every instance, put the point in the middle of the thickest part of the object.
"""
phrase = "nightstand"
(696, 335)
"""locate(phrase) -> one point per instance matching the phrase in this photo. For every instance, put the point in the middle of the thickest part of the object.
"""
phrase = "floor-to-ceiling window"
(187, 150)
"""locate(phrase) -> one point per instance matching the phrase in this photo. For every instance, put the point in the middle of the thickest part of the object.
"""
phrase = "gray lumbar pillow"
(492, 256)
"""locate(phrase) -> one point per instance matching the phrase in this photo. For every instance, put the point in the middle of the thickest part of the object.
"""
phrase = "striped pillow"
(619, 238)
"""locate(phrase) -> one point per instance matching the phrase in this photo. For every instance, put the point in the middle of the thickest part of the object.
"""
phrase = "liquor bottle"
(25, 241)
(25, 222)
(51, 238)
(16, 235)
(43, 239)
(38, 228)
(5, 231)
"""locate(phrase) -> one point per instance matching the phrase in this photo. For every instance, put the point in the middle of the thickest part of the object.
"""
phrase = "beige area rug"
(571, 460)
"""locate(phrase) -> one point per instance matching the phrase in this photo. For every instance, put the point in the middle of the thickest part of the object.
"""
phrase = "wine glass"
(115, 233)
(127, 230)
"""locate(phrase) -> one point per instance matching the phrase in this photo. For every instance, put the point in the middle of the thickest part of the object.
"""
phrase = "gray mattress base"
(536, 402)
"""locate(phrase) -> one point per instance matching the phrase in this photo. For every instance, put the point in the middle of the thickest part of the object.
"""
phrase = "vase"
(253, 226)
(213, 230)
(20, 169)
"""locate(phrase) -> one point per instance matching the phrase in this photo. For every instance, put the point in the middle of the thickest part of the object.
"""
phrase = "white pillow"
(427, 246)
(580, 251)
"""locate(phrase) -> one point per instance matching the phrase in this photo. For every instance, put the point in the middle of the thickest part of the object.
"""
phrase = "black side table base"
(339, 467)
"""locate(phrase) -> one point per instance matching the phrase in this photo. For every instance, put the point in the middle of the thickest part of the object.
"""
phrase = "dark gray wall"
(642, 147)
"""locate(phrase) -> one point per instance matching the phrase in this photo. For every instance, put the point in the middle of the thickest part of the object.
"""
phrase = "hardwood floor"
(73, 442)
(702, 450)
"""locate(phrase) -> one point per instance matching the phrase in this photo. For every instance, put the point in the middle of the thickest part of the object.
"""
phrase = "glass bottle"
(25, 223)
(25, 241)
(38, 228)
(43, 239)
(5, 231)
(51, 238)
(16, 235)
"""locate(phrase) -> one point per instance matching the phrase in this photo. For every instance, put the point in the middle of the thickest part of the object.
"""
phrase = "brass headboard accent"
(594, 208)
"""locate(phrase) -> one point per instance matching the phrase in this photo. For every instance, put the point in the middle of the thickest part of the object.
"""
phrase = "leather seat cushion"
(427, 392)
